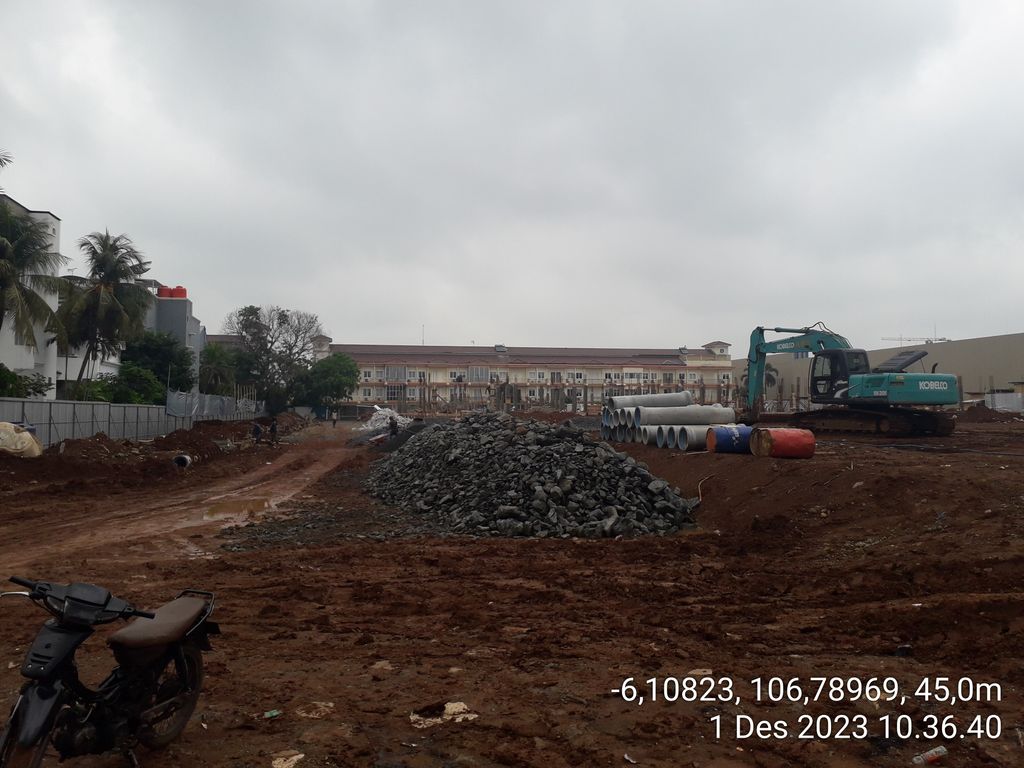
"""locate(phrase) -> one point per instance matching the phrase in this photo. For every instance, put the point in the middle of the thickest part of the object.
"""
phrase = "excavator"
(854, 396)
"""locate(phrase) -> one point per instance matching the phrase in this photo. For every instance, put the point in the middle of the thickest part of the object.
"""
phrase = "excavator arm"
(812, 339)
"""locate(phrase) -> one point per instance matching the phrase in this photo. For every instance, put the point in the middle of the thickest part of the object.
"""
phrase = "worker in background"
(257, 432)
(334, 418)
(273, 431)
(393, 426)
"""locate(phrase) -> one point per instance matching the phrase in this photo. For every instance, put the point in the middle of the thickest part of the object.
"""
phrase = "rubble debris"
(442, 712)
(488, 474)
(380, 420)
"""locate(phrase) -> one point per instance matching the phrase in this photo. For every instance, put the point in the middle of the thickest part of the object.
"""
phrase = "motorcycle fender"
(36, 709)
(201, 635)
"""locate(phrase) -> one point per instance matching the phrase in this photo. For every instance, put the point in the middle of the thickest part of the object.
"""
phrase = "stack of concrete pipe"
(667, 421)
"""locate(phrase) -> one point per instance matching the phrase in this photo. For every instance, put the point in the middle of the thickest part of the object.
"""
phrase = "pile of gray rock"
(489, 474)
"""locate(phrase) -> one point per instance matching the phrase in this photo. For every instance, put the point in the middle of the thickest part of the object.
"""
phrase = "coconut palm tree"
(5, 160)
(770, 377)
(216, 370)
(28, 269)
(107, 307)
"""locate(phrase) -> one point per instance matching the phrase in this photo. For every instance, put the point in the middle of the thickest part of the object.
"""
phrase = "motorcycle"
(147, 699)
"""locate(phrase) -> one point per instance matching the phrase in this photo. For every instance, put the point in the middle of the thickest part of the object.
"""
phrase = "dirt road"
(867, 561)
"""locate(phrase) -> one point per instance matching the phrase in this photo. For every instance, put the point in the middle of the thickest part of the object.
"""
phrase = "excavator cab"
(831, 371)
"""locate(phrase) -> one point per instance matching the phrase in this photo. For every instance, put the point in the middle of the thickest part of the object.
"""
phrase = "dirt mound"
(99, 447)
(982, 414)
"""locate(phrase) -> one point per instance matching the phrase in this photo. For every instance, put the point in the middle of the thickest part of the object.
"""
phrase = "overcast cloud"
(588, 173)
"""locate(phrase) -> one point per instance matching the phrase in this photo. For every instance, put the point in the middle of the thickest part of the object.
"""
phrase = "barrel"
(179, 292)
(731, 439)
(782, 443)
(163, 291)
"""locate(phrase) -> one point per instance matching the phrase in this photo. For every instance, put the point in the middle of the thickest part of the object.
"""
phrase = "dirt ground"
(874, 559)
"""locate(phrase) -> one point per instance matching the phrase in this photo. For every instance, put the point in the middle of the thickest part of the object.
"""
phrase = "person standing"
(273, 431)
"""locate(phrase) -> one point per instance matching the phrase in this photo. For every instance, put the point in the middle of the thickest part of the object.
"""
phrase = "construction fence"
(56, 420)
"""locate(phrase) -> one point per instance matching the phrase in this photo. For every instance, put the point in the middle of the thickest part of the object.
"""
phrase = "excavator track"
(893, 422)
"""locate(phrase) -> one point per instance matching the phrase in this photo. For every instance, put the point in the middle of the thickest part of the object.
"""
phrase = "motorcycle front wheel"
(179, 690)
(13, 755)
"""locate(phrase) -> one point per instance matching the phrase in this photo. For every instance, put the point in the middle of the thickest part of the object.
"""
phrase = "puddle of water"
(236, 508)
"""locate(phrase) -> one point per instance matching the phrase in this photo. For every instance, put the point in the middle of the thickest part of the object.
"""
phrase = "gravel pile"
(491, 475)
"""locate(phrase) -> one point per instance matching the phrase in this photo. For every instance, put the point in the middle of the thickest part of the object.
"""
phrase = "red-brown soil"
(821, 567)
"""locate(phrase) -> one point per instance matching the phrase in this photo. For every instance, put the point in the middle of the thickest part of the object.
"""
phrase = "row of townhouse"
(170, 312)
(431, 376)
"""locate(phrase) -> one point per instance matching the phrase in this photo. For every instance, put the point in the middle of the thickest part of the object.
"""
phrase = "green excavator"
(854, 397)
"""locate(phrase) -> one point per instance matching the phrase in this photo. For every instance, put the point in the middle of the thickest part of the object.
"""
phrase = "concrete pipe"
(630, 434)
(687, 414)
(605, 431)
(659, 438)
(671, 437)
(650, 434)
(620, 415)
(620, 433)
(655, 401)
(693, 438)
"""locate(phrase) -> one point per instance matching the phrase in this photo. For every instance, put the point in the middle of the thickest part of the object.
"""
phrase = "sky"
(557, 173)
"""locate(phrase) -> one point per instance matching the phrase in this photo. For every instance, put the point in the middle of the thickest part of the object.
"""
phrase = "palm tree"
(107, 307)
(216, 370)
(770, 374)
(27, 270)
(5, 160)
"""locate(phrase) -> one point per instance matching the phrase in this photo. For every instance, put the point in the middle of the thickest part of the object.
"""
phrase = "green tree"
(131, 384)
(106, 308)
(217, 370)
(13, 385)
(28, 269)
(277, 344)
(329, 381)
(162, 353)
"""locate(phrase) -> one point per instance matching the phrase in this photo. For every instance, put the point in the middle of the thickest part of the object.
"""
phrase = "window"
(367, 375)
(379, 375)
(692, 376)
(533, 393)
(666, 378)
(556, 377)
(452, 375)
(477, 374)
(607, 376)
(647, 376)
(367, 392)
(395, 372)
(725, 377)
(421, 375)
(411, 392)
(395, 392)
(618, 377)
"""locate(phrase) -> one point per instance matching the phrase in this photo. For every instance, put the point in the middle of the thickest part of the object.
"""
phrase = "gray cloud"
(567, 173)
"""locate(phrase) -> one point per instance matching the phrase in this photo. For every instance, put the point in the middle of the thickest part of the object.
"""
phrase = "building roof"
(8, 199)
(506, 355)
(716, 344)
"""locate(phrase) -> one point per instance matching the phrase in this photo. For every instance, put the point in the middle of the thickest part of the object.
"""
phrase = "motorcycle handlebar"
(143, 614)
(28, 583)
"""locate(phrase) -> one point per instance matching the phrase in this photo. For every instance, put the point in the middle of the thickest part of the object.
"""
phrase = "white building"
(15, 352)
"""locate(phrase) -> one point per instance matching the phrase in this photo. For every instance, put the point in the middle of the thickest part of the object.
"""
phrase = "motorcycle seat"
(172, 621)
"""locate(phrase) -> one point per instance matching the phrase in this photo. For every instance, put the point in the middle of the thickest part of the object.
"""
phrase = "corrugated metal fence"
(57, 420)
